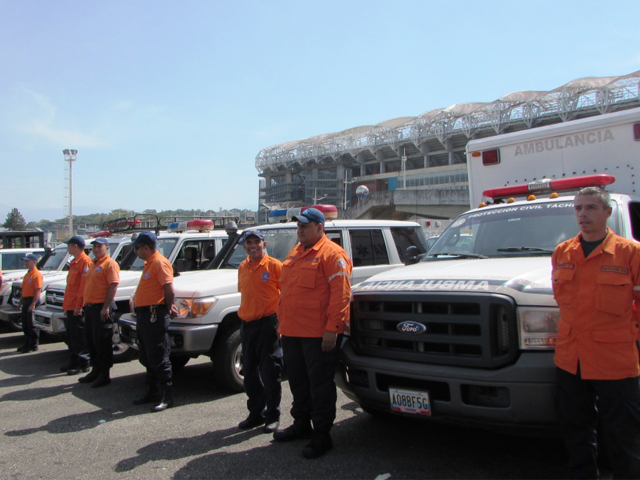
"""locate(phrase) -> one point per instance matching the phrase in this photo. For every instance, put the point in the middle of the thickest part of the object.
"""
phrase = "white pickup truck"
(208, 301)
(52, 265)
(468, 334)
(189, 251)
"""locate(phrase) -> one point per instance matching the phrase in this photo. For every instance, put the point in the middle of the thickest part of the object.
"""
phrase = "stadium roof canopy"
(597, 94)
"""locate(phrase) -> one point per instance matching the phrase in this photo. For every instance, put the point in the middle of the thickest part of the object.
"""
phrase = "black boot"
(93, 374)
(151, 395)
(320, 444)
(102, 380)
(166, 400)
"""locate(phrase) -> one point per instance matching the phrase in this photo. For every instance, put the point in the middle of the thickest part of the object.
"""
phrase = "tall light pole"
(70, 156)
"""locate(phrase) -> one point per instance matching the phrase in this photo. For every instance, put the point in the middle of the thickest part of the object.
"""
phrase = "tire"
(16, 323)
(227, 360)
(121, 351)
(178, 361)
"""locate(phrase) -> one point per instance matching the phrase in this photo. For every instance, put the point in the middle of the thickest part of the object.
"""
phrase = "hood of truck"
(49, 278)
(206, 283)
(526, 279)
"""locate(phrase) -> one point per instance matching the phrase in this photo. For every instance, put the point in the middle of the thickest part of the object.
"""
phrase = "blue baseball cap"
(31, 256)
(76, 240)
(310, 215)
(146, 238)
(103, 241)
(251, 233)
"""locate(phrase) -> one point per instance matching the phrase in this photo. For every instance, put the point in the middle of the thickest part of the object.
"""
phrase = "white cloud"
(44, 125)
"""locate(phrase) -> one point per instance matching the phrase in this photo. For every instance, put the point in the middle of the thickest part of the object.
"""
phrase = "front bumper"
(518, 397)
(186, 339)
(50, 321)
(8, 313)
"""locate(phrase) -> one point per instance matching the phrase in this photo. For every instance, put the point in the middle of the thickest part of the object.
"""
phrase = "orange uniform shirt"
(73, 293)
(101, 274)
(599, 298)
(259, 287)
(30, 282)
(157, 273)
(315, 290)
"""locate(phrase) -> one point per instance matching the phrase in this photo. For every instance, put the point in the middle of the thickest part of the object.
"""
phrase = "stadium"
(416, 166)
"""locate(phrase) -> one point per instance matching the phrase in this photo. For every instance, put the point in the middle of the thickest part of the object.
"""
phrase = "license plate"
(410, 401)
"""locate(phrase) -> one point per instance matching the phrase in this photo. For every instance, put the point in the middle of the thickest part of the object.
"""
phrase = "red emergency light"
(549, 185)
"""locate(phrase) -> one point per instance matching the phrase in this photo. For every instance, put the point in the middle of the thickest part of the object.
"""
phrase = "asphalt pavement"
(54, 427)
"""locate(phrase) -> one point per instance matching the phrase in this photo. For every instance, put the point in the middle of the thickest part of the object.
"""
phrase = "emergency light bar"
(200, 225)
(549, 185)
(329, 211)
(105, 233)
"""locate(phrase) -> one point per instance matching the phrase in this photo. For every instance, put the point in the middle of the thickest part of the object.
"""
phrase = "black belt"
(149, 308)
(260, 321)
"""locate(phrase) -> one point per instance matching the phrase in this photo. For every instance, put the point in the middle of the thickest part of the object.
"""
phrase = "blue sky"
(169, 102)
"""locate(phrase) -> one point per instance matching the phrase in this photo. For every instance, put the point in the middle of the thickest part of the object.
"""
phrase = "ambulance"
(467, 335)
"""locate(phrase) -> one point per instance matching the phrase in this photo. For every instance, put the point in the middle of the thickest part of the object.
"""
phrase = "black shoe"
(294, 432)
(68, 366)
(166, 401)
(28, 349)
(151, 395)
(251, 422)
(20, 349)
(270, 427)
(91, 377)
(102, 380)
(77, 370)
(320, 445)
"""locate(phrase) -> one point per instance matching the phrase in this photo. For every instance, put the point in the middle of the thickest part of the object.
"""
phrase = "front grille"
(54, 298)
(462, 329)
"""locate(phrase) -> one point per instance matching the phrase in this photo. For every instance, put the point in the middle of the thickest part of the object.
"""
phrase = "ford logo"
(411, 327)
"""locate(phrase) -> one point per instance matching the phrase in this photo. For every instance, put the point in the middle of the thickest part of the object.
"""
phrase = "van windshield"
(164, 245)
(279, 244)
(519, 230)
(55, 261)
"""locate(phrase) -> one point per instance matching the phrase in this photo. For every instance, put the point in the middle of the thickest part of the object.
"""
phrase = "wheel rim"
(237, 362)
(118, 346)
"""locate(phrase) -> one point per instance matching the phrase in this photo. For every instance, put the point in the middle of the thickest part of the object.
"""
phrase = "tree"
(15, 220)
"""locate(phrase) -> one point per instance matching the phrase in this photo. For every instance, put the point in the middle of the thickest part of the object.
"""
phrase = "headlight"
(194, 308)
(538, 328)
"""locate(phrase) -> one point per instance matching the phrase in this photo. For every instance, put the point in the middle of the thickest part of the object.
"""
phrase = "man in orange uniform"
(72, 306)
(154, 309)
(596, 282)
(313, 309)
(31, 288)
(99, 292)
(259, 287)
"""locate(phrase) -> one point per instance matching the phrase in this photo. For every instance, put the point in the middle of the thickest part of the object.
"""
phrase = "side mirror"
(412, 255)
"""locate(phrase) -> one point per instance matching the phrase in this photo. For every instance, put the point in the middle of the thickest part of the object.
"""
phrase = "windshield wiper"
(524, 249)
(459, 255)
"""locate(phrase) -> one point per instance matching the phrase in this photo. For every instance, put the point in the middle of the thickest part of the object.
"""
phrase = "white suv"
(208, 301)
(189, 251)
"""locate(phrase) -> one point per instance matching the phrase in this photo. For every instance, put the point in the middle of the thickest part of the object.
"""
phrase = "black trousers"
(99, 337)
(74, 325)
(616, 404)
(31, 333)
(311, 372)
(154, 346)
(262, 367)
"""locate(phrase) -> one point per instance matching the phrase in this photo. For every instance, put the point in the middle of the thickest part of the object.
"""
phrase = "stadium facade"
(416, 166)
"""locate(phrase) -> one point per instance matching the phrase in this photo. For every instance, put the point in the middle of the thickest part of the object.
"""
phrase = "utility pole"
(70, 156)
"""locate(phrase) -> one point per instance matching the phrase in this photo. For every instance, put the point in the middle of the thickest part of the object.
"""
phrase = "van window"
(194, 255)
(405, 237)
(368, 248)
(634, 214)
